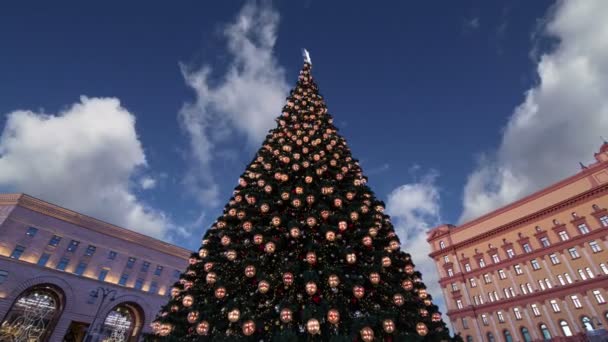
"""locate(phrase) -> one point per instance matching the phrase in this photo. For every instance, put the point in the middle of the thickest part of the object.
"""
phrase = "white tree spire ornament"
(306, 56)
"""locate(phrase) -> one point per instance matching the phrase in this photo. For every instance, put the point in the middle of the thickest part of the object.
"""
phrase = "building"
(536, 269)
(62, 273)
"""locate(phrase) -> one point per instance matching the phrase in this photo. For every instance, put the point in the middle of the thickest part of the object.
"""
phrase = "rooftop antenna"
(306, 56)
(603, 139)
(583, 166)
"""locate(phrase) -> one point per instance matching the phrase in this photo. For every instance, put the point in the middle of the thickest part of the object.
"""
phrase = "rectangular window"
(518, 269)
(73, 246)
(103, 274)
(517, 313)
(176, 273)
(554, 259)
(467, 267)
(561, 279)
(501, 317)
(491, 296)
(44, 258)
(454, 287)
(139, 283)
(594, 246)
(535, 310)
(90, 250)
(541, 285)
(80, 268)
(568, 278)
(482, 263)
(487, 278)
(450, 272)
(548, 283)
(465, 323)
(545, 241)
(475, 300)
(529, 287)
(16, 254)
(153, 287)
(446, 259)
(535, 264)
(598, 297)
(589, 272)
(523, 288)
(502, 274)
(555, 306)
(506, 292)
(604, 268)
(144, 266)
(582, 274)
(131, 262)
(63, 263)
(604, 221)
(484, 319)
(159, 270)
(3, 276)
(459, 304)
(495, 258)
(563, 235)
(123, 279)
(112, 255)
(527, 248)
(473, 282)
(510, 253)
(576, 302)
(583, 228)
(54, 241)
(31, 231)
(573, 253)
(512, 292)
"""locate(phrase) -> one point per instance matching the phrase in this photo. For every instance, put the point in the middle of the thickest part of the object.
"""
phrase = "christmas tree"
(303, 250)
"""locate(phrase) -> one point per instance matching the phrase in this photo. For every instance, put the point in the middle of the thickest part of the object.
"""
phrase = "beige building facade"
(534, 270)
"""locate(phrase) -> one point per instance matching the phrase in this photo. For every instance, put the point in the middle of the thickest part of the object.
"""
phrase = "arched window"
(525, 334)
(441, 244)
(507, 335)
(123, 323)
(587, 323)
(33, 315)
(469, 338)
(545, 332)
(490, 337)
(565, 328)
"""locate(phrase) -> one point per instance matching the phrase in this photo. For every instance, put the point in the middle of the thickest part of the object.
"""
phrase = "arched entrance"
(123, 323)
(33, 315)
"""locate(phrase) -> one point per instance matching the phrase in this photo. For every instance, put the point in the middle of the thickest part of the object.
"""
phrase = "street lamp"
(104, 292)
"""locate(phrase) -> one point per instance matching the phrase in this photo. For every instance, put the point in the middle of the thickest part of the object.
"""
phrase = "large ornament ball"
(436, 317)
(211, 278)
(203, 253)
(249, 271)
(386, 261)
(165, 329)
(263, 286)
(208, 266)
(407, 285)
(294, 232)
(398, 299)
(409, 269)
(311, 288)
(248, 328)
(188, 301)
(192, 316)
(373, 232)
(202, 328)
(220, 292)
(351, 258)
(231, 255)
(388, 325)
(174, 292)
(288, 278)
(225, 240)
(333, 316)
(358, 291)
(311, 258)
(258, 239)
(234, 315)
(374, 278)
(330, 236)
(422, 293)
(313, 326)
(422, 329)
(424, 312)
(333, 281)
(270, 247)
(367, 241)
(286, 315)
(367, 334)
(394, 245)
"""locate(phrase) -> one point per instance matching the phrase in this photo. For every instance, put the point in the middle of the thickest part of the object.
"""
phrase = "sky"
(145, 115)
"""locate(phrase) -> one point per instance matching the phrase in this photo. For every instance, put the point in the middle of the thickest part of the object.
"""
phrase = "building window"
(446, 259)
(80, 268)
(144, 266)
(487, 278)
(131, 262)
(510, 253)
(491, 296)
(517, 313)
(158, 271)
(465, 323)
(525, 334)
(482, 263)
(176, 273)
(3, 276)
(576, 302)
(535, 310)
(555, 306)
(583, 228)
(554, 259)
(535, 264)
(604, 268)
(495, 258)
(31, 231)
(527, 248)
(441, 245)
(512, 292)
(506, 292)
(587, 323)
(450, 272)
(102, 274)
(598, 297)
(467, 267)
(561, 279)
(529, 287)
(459, 303)
(595, 247)
(518, 269)
(507, 336)
(153, 287)
(16, 254)
(473, 282)
(469, 338)
(582, 274)
(112, 255)
(523, 288)
(54, 241)
(475, 300)
(541, 285)
(604, 220)
(484, 319)
(544, 241)
(545, 332)
(490, 337)
(139, 283)
(63, 263)
(568, 278)
(573, 253)
(565, 328)
(73, 246)
(500, 316)
(589, 272)
(90, 250)
(123, 279)
(44, 258)
(548, 283)
(563, 235)
(454, 287)
(502, 274)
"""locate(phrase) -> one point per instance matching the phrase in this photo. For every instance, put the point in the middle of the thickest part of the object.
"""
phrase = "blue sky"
(453, 108)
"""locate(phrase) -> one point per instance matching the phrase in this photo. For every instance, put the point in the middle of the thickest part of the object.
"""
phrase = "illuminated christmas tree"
(303, 250)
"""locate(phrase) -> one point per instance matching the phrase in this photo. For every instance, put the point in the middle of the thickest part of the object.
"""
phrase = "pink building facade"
(65, 276)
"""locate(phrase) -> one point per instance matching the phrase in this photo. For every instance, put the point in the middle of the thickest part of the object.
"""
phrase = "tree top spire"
(306, 56)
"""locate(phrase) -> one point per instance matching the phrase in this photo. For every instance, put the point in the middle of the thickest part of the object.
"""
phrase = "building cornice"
(592, 193)
(93, 224)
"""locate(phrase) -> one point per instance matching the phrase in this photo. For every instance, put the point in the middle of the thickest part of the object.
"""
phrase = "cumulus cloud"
(147, 182)
(561, 119)
(83, 158)
(414, 209)
(244, 100)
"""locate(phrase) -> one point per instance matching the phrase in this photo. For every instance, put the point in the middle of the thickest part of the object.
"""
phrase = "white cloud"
(147, 182)
(561, 119)
(241, 104)
(82, 158)
(415, 209)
